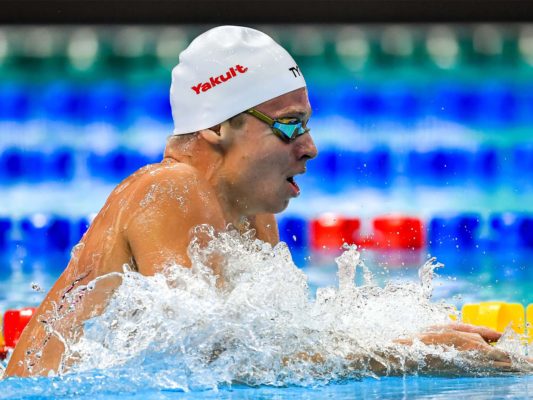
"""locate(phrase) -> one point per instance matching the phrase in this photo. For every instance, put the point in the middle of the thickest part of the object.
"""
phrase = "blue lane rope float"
(336, 169)
(454, 233)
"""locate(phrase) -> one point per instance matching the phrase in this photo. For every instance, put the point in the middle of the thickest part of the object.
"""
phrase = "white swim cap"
(226, 71)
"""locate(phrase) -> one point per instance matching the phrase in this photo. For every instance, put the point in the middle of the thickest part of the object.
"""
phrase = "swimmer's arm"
(474, 343)
(59, 320)
(472, 340)
(159, 233)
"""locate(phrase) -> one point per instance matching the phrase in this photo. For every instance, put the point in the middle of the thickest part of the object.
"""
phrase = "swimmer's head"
(226, 71)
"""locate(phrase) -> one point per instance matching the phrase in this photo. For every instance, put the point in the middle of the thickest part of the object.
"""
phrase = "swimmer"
(240, 109)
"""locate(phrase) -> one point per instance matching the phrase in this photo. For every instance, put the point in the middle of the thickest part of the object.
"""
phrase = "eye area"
(290, 121)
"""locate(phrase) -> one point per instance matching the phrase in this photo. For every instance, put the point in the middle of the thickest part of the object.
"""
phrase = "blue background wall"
(433, 121)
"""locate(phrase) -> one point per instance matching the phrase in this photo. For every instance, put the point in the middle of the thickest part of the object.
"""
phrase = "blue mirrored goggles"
(287, 129)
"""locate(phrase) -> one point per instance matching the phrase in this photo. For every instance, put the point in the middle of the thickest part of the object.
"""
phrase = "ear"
(211, 135)
(219, 135)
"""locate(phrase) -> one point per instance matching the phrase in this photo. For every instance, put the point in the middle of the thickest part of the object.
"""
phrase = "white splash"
(260, 326)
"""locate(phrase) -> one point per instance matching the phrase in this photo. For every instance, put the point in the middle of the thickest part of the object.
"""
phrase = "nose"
(305, 147)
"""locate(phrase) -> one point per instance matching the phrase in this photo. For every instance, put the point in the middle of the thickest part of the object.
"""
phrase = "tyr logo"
(295, 71)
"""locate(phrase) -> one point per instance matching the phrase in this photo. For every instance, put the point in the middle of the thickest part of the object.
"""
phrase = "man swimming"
(240, 110)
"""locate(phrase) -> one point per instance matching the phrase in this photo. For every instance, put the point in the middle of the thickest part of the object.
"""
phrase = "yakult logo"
(217, 80)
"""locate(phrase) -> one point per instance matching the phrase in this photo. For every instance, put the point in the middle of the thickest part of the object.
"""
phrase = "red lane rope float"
(14, 323)
(330, 231)
(398, 232)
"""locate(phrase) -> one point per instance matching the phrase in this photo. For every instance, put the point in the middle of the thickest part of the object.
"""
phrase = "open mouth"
(293, 183)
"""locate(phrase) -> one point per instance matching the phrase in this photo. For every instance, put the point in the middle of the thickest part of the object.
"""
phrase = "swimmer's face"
(261, 166)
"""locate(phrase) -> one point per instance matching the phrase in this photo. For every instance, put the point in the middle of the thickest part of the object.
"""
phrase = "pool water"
(155, 375)
(96, 387)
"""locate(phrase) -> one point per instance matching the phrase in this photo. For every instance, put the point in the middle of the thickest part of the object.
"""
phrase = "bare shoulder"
(175, 185)
(167, 202)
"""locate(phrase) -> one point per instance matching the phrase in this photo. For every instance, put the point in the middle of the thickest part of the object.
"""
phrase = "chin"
(273, 204)
(279, 207)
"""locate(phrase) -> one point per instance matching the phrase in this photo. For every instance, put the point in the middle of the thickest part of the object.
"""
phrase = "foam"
(259, 325)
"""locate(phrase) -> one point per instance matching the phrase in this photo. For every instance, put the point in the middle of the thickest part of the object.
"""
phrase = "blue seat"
(46, 233)
(59, 234)
(455, 232)
(500, 106)
(34, 167)
(322, 172)
(403, 104)
(457, 103)
(293, 230)
(61, 165)
(34, 233)
(154, 102)
(5, 230)
(526, 231)
(488, 164)
(323, 101)
(80, 227)
(107, 102)
(64, 102)
(364, 105)
(523, 166)
(440, 166)
(525, 106)
(15, 102)
(511, 230)
(371, 168)
(12, 166)
(117, 164)
(17, 165)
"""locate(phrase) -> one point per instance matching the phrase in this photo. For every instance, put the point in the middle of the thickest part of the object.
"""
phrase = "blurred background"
(425, 134)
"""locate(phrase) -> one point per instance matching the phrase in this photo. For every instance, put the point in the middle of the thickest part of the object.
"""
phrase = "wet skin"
(225, 175)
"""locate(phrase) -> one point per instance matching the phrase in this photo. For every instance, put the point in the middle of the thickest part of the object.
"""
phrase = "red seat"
(398, 232)
(14, 323)
(330, 231)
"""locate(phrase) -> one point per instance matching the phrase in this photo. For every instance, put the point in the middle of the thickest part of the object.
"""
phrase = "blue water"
(98, 387)
(472, 276)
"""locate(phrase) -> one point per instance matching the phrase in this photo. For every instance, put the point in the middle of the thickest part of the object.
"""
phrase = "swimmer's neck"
(196, 155)
(209, 165)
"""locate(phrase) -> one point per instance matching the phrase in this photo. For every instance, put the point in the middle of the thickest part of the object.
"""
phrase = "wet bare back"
(146, 223)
